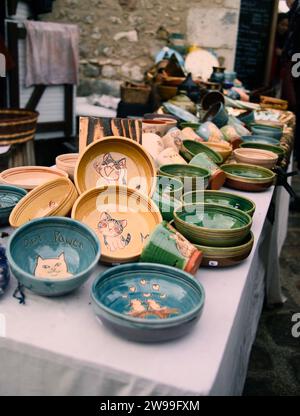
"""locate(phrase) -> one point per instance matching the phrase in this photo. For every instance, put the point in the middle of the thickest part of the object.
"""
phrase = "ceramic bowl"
(223, 148)
(212, 225)
(217, 114)
(122, 218)
(147, 302)
(9, 198)
(273, 132)
(180, 113)
(115, 161)
(191, 148)
(260, 139)
(275, 149)
(209, 130)
(226, 256)
(212, 97)
(67, 163)
(153, 144)
(166, 92)
(53, 256)
(220, 198)
(247, 177)
(217, 176)
(167, 196)
(159, 127)
(248, 117)
(192, 177)
(256, 157)
(29, 177)
(54, 198)
(169, 156)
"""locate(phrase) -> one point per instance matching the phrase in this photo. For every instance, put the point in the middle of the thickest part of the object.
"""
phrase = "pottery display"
(9, 198)
(115, 162)
(217, 114)
(217, 175)
(67, 163)
(182, 101)
(169, 156)
(247, 177)
(222, 148)
(122, 218)
(212, 225)
(257, 157)
(190, 134)
(275, 149)
(220, 198)
(211, 98)
(174, 139)
(28, 177)
(167, 246)
(53, 256)
(153, 144)
(226, 256)
(209, 131)
(148, 302)
(260, 139)
(54, 198)
(159, 127)
(167, 196)
(192, 177)
(247, 117)
(274, 132)
(180, 113)
(191, 148)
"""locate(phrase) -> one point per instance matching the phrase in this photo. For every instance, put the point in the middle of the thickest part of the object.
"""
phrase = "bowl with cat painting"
(115, 161)
(53, 256)
(123, 219)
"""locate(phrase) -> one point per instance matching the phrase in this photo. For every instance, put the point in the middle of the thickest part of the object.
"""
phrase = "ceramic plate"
(28, 177)
(220, 198)
(260, 139)
(115, 162)
(180, 113)
(191, 148)
(200, 63)
(123, 219)
(54, 198)
(148, 302)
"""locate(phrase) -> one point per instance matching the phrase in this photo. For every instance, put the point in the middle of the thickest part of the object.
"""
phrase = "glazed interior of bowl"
(260, 139)
(248, 171)
(53, 249)
(256, 154)
(153, 294)
(184, 171)
(195, 147)
(10, 196)
(275, 149)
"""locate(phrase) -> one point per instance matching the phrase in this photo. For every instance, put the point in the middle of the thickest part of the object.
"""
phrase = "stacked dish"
(148, 302)
(122, 218)
(67, 163)
(258, 157)
(212, 225)
(167, 195)
(9, 197)
(247, 177)
(274, 132)
(192, 177)
(191, 148)
(54, 198)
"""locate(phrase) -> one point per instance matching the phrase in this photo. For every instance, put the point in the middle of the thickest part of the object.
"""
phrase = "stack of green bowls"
(167, 196)
(192, 177)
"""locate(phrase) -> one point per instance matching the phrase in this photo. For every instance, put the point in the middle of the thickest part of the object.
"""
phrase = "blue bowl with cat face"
(9, 197)
(53, 256)
(146, 302)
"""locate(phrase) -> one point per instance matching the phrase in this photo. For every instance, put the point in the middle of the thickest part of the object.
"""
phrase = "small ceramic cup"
(167, 246)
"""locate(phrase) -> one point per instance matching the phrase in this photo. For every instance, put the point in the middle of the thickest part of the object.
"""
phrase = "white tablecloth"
(57, 347)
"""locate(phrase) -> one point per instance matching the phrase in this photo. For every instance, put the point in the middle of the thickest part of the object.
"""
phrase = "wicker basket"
(17, 126)
(134, 93)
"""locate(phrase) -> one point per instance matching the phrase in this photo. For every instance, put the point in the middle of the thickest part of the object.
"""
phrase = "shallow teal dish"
(9, 197)
(274, 132)
(192, 177)
(180, 113)
(53, 256)
(260, 139)
(148, 302)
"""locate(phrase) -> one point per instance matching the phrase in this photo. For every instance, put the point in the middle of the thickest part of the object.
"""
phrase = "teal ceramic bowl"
(217, 114)
(191, 148)
(212, 225)
(192, 177)
(273, 132)
(220, 198)
(9, 197)
(247, 117)
(53, 256)
(260, 139)
(148, 302)
(275, 149)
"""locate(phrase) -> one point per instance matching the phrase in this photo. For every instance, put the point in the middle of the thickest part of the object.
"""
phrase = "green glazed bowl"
(190, 148)
(260, 139)
(226, 256)
(248, 177)
(9, 197)
(53, 256)
(220, 198)
(192, 177)
(212, 225)
(275, 149)
(274, 132)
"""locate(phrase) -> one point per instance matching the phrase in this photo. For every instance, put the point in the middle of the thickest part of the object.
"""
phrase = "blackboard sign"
(255, 24)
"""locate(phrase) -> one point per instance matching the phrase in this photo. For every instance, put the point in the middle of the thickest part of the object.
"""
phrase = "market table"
(57, 347)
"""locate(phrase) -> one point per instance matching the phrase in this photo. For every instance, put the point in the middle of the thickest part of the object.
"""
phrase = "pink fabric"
(52, 56)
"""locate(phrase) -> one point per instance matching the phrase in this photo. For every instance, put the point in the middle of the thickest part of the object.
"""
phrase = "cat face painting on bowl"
(111, 171)
(112, 230)
(184, 247)
(53, 268)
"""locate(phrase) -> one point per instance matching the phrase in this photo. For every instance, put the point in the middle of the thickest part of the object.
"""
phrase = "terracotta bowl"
(258, 157)
(67, 163)
(159, 127)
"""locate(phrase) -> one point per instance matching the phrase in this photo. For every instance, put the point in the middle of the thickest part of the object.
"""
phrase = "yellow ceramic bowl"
(123, 219)
(225, 149)
(54, 198)
(67, 163)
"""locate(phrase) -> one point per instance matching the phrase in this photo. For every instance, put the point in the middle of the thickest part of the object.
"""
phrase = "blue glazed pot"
(273, 132)
(53, 256)
(247, 118)
(148, 302)
(9, 197)
(217, 114)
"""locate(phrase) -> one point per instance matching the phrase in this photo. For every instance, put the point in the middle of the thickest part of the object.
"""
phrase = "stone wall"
(119, 38)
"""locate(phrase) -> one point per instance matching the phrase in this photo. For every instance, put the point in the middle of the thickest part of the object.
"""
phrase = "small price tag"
(213, 263)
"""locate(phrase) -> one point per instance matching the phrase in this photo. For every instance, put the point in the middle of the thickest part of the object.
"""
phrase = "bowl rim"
(270, 156)
(152, 267)
(249, 166)
(251, 145)
(205, 176)
(229, 249)
(60, 220)
(218, 157)
(15, 190)
(214, 230)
